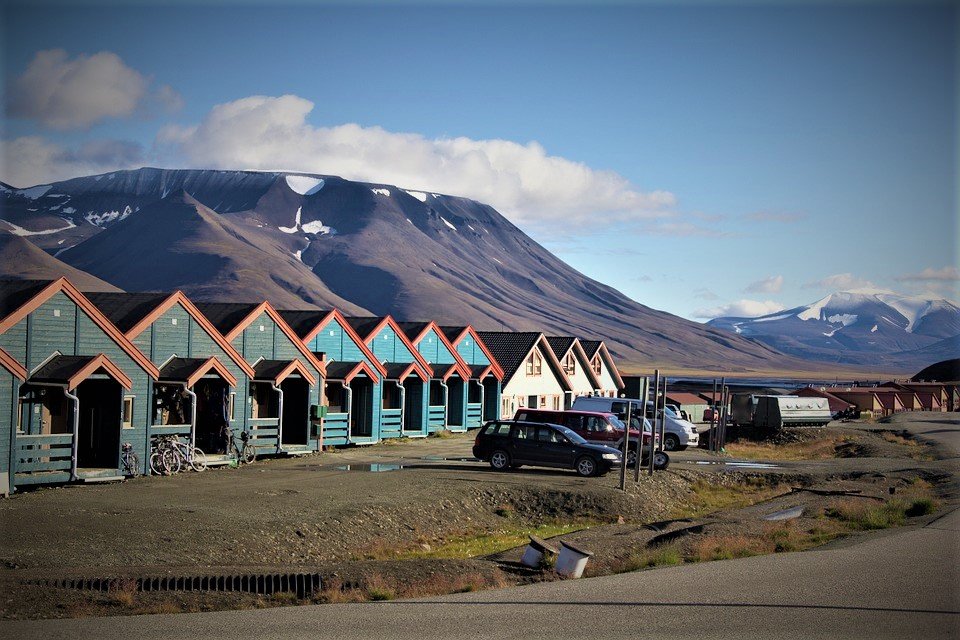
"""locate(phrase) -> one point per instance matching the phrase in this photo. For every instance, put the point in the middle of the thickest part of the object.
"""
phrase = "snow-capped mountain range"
(859, 327)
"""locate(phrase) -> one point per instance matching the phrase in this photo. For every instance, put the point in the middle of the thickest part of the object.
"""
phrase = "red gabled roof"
(462, 367)
(497, 369)
(10, 364)
(398, 331)
(64, 285)
(178, 297)
(212, 364)
(266, 307)
(334, 314)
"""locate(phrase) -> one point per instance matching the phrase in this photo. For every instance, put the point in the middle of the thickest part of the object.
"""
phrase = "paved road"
(898, 584)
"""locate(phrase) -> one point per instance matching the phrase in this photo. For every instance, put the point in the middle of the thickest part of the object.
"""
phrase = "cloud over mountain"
(262, 132)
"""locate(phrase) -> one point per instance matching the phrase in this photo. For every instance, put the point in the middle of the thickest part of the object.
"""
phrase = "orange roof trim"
(10, 364)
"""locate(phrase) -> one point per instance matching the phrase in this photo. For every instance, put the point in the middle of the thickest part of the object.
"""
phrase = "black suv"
(510, 443)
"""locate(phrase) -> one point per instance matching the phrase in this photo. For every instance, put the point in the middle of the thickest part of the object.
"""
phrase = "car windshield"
(617, 423)
(671, 413)
(635, 424)
(571, 435)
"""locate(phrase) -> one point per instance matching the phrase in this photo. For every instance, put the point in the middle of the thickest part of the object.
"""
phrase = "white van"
(678, 434)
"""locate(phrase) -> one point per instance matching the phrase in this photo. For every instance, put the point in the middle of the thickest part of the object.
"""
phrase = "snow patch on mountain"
(296, 223)
(846, 319)
(419, 195)
(104, 218)
(20, 231)
(381, 192)
(813, 311)
(318, 228)
(913, 309)
(304, 185)
(448, 223)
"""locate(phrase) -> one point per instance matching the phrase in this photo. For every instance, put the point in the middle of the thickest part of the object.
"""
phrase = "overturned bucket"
(572, 560)
(536, 551)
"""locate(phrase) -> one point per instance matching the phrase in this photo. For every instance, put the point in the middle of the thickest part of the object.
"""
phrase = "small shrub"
(442, 433)
(866, 516)
(122, 592)
(729, 547)
(921, 507)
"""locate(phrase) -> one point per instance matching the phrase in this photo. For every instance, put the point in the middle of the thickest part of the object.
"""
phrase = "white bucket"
(532, 558)
(572, 561)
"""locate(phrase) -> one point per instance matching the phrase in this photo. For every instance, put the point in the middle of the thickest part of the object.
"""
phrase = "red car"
(594, 427)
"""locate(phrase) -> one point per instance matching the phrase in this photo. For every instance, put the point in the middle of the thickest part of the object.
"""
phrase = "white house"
(576, 366)
(533, 376)
(603, 367)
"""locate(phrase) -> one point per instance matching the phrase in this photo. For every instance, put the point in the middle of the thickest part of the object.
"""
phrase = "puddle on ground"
(740, 465)
(373, 468)
(786, 514)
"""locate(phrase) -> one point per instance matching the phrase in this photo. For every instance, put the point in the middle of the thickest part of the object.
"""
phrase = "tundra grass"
(706, 497)
(819, 449)
(484, 544)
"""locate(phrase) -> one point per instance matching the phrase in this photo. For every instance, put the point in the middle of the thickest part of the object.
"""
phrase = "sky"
(704, 158)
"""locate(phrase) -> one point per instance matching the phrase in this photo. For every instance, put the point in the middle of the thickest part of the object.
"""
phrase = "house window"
(20, 416)
(505, 407)
(556, 403)
(128, 412)
(391, 396)
(595, 365)
(569, 364)
(232, 407)
(543, 402)
(534, 364)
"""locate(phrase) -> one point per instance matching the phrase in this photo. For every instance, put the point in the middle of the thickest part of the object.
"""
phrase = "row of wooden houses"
(82, 374)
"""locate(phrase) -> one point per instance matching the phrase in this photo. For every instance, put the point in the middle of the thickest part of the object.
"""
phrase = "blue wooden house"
(406, 385)
(287, 377)
(486, 375)
(85, 389)
(12, 375)
(353, 382)
(203, 379)
(447, 407)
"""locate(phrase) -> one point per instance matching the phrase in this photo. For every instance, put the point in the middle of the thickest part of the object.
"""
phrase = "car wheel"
(661, 460)
(671, 442)
(500, 460)
(586, 466)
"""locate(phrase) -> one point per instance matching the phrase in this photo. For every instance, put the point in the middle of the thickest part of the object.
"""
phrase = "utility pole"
(626, 449)
(645, 391)
(653, 432)
(711, 444)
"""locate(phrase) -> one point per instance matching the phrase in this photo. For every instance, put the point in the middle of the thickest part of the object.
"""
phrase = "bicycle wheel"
(249, 453)
(131, 462)
(174, 460)
(158, 464)
(198, 460)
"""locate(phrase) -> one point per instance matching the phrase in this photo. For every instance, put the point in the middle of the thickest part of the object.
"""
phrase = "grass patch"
(664, 555)
(483, 544)
(442, 433)
(818, 449)
(896, 438)
(865, 515)
(708, 498)
(380, 588)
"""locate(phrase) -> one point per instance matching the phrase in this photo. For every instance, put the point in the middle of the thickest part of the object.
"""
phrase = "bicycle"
(192, 456)
(243, 455)
(130, 460)
(164, 461)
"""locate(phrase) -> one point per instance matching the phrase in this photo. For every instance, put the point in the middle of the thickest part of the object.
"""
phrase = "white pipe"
(279, 415)
(76, 431)
(193, 412)
(446, 402)
(483, 406)
(403, 402)
(349, 393)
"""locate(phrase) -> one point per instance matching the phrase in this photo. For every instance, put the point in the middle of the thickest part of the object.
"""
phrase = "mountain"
(22, 260)
(304, 239)
(859, 327)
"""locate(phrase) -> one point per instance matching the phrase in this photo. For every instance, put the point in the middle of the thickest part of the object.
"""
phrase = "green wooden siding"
(471, 352)
(434, 350)
(263, 338)
(60, 326)
(334, 341)
(8, 418)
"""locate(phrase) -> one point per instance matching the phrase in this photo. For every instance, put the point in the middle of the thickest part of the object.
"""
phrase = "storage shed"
(486, 375)
(691, 403)
(85, 391)
(287, 381)
(354, 379)
(449, 387)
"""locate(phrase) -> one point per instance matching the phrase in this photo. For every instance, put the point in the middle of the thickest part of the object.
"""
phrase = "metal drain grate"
(301, 584)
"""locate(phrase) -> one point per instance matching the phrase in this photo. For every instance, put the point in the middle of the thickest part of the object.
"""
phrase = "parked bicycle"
(190, 456)
(130, 460)
(164, 461)
(243, 455)
(171, 455)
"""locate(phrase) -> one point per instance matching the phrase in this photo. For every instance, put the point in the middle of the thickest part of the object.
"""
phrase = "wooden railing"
(436, 417)
(44, 453)
(391, 423)
(263, 432)
(336, 427)
(474, 415)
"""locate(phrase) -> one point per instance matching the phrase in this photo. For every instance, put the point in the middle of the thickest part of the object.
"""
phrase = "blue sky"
(702, 158)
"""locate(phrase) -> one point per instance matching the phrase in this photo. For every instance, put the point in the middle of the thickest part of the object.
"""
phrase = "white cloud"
(946, 274)
(705, 294)
(740, 309)
(75, 93)
(32, 160)
(521, 180)
(840, 282)
(773, 284)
